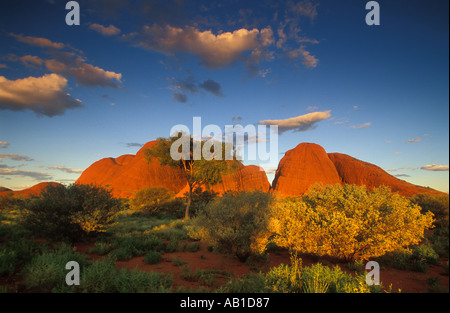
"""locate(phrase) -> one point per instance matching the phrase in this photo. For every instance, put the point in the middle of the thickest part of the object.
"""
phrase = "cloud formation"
(213, 51)
(15, 157)
(44, 95)
(4, 144)
(65, 169)
(38, 41)
(362, 125)
(133, 144)
(39, 176)
(110, 30)
(190, 85)
(91, 76)
(413, 140)
(69, 64)
(434, 167)
(212, 87)
(309, 60)
(299, 123)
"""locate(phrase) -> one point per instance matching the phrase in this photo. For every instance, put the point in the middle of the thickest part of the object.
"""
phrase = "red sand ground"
(406, 281)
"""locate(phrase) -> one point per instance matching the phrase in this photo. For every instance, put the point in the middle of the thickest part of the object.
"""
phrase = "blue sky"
(70, 95)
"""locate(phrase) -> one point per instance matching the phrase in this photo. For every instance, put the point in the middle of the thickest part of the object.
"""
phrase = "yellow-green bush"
(235, 223)
(348, 222)
(150, 199)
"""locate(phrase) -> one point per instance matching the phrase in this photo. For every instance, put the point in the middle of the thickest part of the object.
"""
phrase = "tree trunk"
(188, 205)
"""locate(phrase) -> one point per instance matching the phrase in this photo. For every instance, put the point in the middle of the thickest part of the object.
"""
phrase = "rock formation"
(301, 167)
(354, 171)
(298, 170)
(308, 163)
(129, 173)
(29, 192)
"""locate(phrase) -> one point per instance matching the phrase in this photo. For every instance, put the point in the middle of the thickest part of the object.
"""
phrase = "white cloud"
(65, 169)
(362, 125)
(31, 60)
(308, 59)
(413, 140)
(299, 123)
(91, 76)
(4, 144)
(44, 95)
(38, 41)
(434, 167)
(213, 51)
(39, 176)
(110, 30)
(15, 157)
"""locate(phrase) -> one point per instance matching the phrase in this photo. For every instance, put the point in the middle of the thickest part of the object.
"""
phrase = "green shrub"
(135, 281)
(104, 277)
(316, 278)
(416, 259)
(438, 205)
(8, 261)
(150, 200)
(71, 213)
(200, 200)
(152, 257)
(426, 254)
(236, 224)
(399, 259)
(101, 248)
(192, 247)
(206, 277)
(47, 272)
(285, 278)
(250, 283)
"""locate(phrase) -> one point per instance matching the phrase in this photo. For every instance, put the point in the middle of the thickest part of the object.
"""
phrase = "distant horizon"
(71, 95)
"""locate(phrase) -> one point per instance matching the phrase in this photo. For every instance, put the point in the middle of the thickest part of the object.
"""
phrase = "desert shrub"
(285, 278)
(101, 248)
(192, 247)
(440, 241)
(348, 222)
(425, 253)
(15, 253)
(200, 199)
(415, 259)
(206, 277)
(135, 281)
(236, 224)
(8, 261)
(321, 279)
(398, 259)
(152, 257)
(316, 278)
(104, 277)
(71, 213)
(47, 272)
(438, 205)
(249, 283)
(126, 247)
(150, 200)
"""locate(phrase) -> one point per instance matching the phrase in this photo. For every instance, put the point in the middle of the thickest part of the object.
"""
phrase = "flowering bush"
(348, 222)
